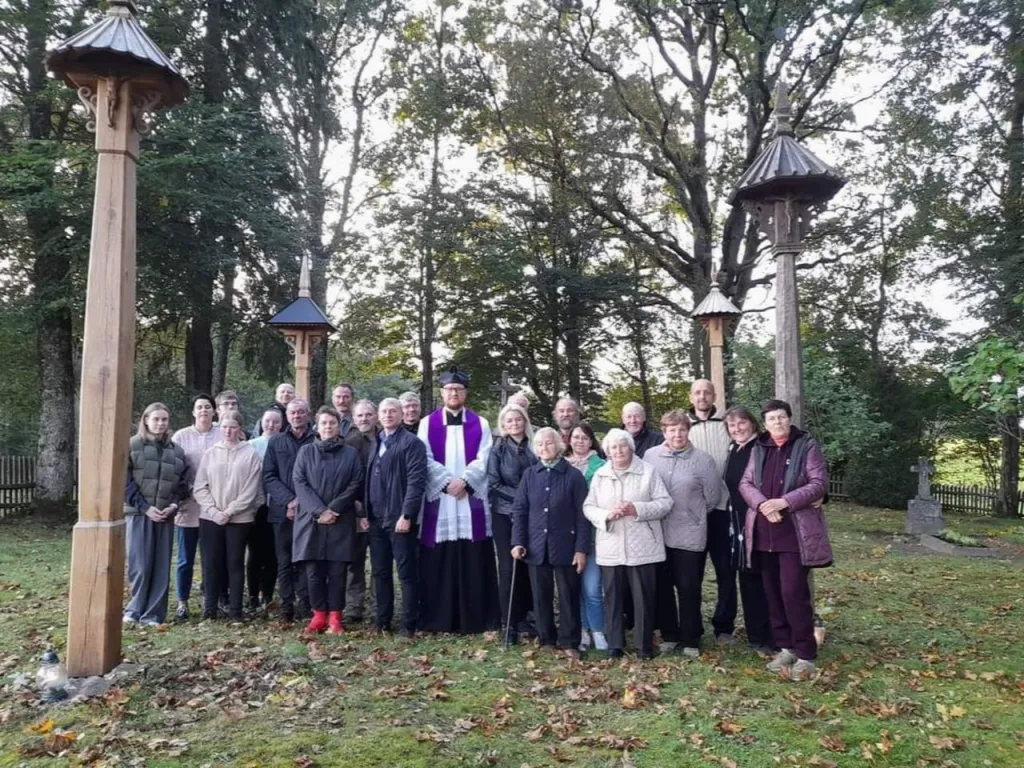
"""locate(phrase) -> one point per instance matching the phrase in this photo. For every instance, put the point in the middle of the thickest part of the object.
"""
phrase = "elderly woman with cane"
(550, 532)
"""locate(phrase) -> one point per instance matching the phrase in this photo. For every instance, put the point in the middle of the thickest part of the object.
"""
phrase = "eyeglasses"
(454, 389)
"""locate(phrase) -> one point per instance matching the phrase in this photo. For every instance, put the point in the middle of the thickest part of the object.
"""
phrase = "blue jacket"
(547, 515)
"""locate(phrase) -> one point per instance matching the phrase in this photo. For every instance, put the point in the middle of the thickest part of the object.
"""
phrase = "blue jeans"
(188, 540)
(591, 596)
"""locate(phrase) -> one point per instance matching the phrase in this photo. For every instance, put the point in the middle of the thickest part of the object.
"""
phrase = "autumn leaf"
(821, 762)
(833, 742)
(629, 698)
(43, 727)
(885, 745)
(946, 743)
(536, 734)
(728, 727)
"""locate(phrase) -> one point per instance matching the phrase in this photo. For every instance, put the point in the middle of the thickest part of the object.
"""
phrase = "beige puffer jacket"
(630, 540)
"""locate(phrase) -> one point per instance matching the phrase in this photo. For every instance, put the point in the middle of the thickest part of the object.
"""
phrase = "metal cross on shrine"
(505, 389)
(924, 470)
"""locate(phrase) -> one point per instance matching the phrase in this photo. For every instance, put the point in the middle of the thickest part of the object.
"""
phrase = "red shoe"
(334, 624)
(318, 623)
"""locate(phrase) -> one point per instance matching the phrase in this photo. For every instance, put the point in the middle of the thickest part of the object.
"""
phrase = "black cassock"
(459, 587)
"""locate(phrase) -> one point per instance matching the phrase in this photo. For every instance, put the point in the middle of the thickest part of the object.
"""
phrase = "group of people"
(487, 530)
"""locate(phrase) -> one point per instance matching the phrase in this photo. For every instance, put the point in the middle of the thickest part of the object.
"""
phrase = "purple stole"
(437, 436)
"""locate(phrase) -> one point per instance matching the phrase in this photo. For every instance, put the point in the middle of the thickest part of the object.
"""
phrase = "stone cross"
(924, 471)
(505, 388)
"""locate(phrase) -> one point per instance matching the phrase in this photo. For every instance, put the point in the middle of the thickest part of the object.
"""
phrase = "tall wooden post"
(108, 358)
(714, 312)
(784, 189)
(119, 86)
(789, 364)
(303, 325)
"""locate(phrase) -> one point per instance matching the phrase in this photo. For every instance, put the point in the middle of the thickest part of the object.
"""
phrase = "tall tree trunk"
(1009, 466)
(1012, 257)
(55, 473)
(227, 304)
(199, 353)
(199, 359)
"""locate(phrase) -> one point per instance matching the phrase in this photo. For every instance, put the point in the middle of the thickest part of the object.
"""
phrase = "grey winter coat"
(693, 482)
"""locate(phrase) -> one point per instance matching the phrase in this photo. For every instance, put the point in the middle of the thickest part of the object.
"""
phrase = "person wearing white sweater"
(229, 490)
(626, 503)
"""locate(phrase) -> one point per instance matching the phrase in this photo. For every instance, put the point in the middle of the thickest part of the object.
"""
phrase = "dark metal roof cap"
(785, 167)
(301, 313)
(115, 46)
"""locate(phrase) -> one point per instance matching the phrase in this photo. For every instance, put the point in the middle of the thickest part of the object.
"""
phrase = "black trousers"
(686, 569)
(635, 583)
(291, 578)
(355, 595)
(521, 592)
(388, 549)
(755, 606)
(223, 549)
(261, 568)
(543, 580)
(326, 584)
(666, 611)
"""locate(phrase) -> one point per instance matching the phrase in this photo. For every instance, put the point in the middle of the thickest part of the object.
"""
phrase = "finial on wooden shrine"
(304, 284)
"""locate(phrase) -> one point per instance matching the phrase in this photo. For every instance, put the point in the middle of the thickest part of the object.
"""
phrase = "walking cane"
(511, 595)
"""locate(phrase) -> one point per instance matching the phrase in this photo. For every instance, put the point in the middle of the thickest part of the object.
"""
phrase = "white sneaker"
(784, 659)
(585, 641)
(600, 641)
(129, 621)
(693, 653)
(802, 670)
(667, 646)
(150, 623)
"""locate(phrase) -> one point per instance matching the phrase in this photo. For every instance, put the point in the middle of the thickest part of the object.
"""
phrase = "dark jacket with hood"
(328, 475)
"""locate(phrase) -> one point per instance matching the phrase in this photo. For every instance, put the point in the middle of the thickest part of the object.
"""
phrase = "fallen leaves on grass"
(729, 727)
(946, 743)
(833, 742)
(54, 745)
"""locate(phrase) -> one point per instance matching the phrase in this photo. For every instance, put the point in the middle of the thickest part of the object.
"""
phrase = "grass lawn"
(923, 666)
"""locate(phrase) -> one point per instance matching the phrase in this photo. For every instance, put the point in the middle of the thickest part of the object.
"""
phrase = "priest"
(458, 576)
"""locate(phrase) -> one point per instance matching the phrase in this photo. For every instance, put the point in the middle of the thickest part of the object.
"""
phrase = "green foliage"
(991, 377)
(665, 396)
(19, 385)
(838, 414)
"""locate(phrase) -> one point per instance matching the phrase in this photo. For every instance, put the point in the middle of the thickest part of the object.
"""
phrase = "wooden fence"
(17, 482)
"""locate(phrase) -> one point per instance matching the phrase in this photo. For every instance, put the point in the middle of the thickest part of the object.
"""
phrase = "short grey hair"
(554, 434)
(409, 397)
(296, 403)
(364, 401)
(633, 405)
(391, 402)
(616, 436)
(514, 408)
